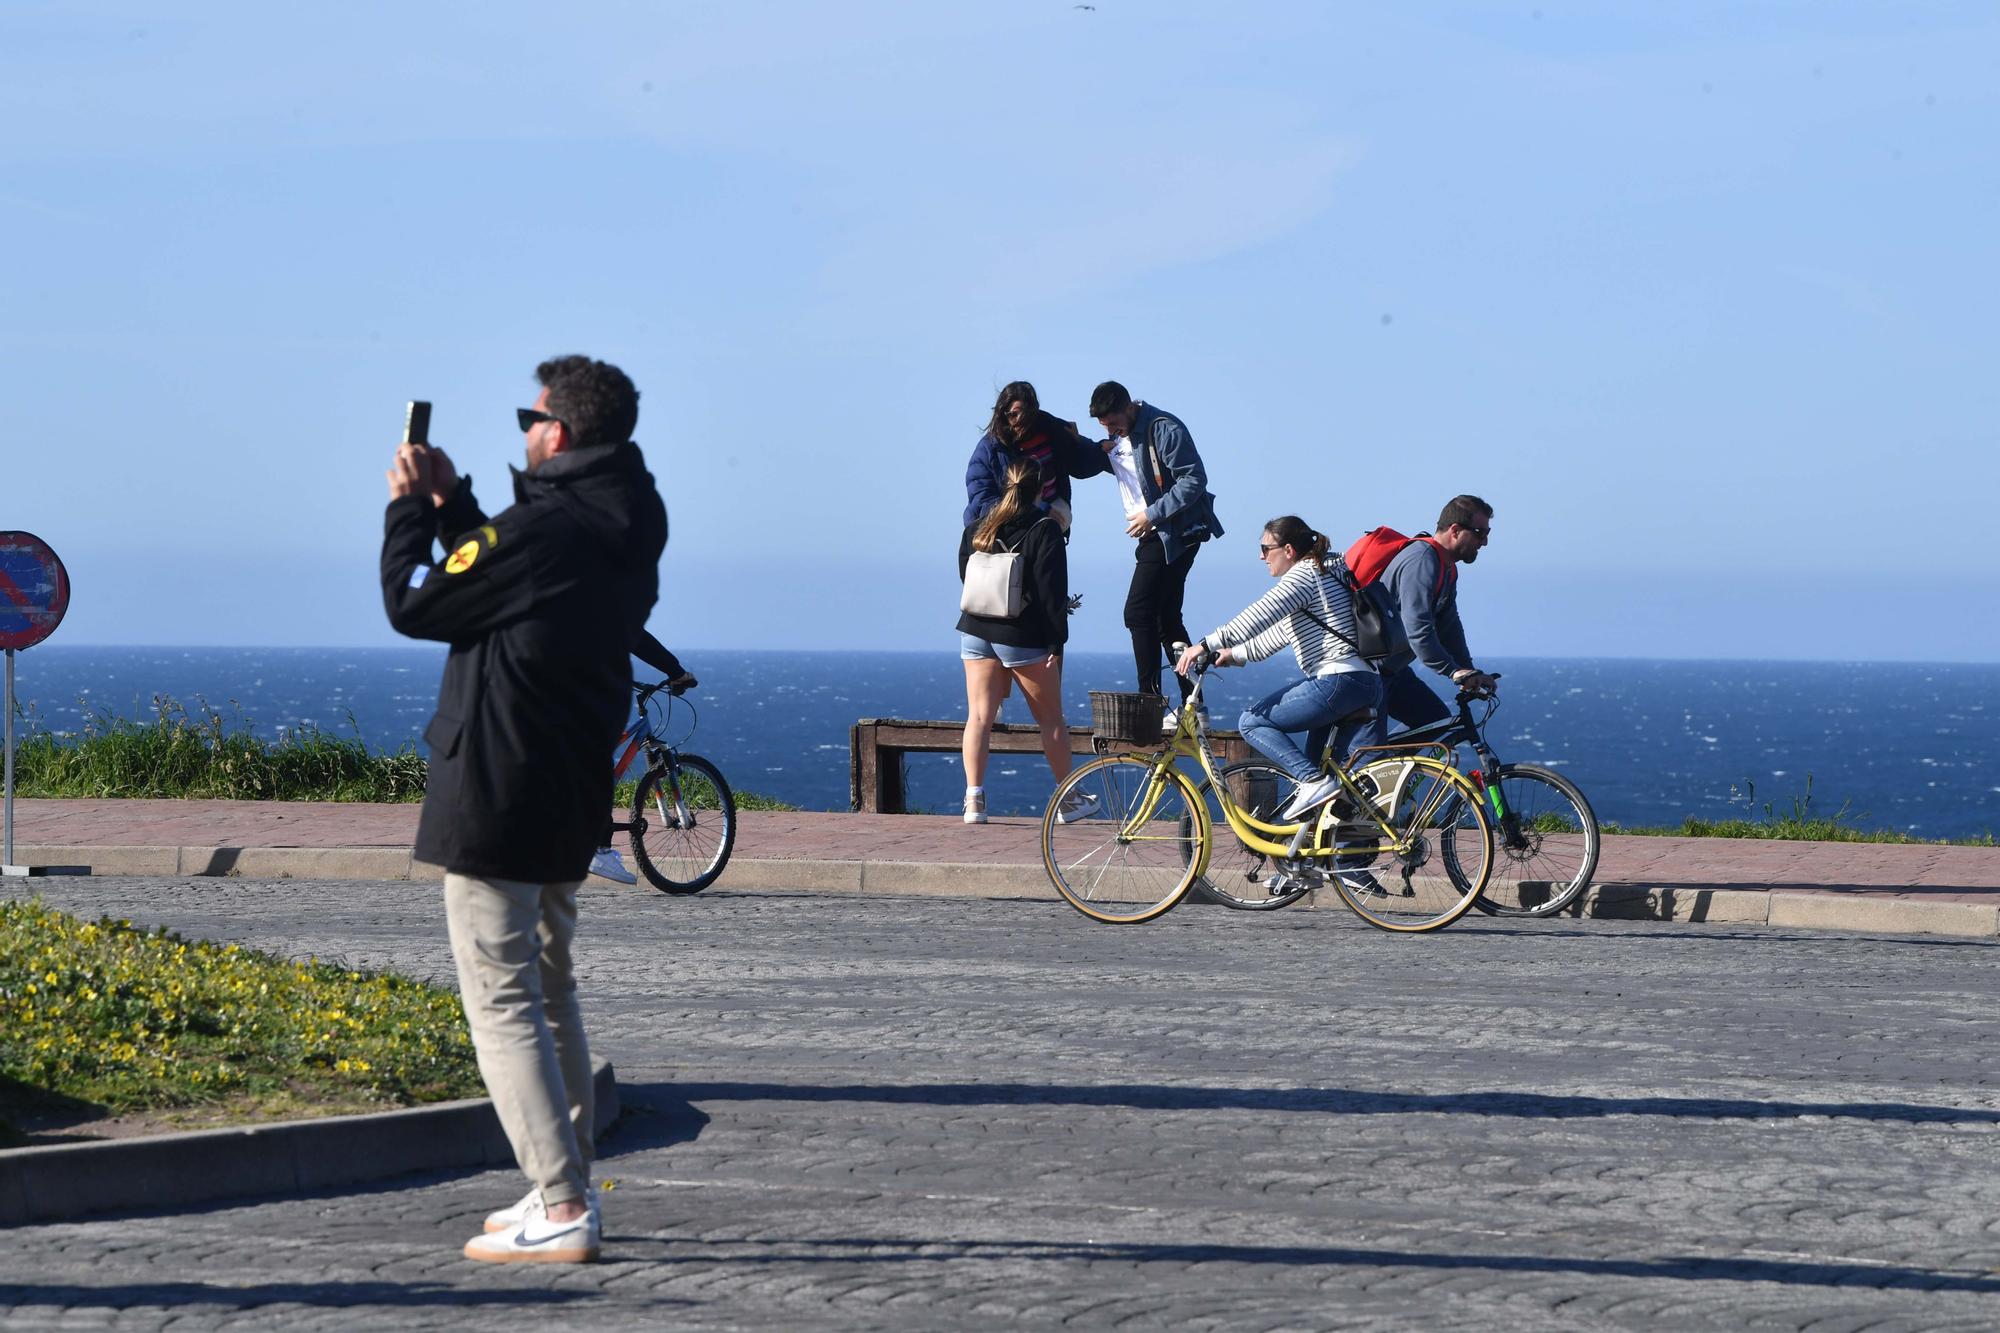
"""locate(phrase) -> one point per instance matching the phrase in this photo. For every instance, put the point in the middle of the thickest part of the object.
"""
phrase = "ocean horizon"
(1900, 745)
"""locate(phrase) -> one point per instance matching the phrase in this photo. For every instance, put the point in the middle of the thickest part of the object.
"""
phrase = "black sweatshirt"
(541, 605)
(1044, 618)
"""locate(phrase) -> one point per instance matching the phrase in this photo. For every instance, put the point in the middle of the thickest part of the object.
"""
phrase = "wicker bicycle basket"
(1126, 717)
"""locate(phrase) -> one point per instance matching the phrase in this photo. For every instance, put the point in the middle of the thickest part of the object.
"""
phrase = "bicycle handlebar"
(1467, 696)
(645, 692)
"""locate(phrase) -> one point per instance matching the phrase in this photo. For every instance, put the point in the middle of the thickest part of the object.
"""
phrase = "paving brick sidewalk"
(1926, 873)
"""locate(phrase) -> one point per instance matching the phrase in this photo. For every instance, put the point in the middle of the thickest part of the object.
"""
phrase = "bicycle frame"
(1446, 735)
(1190, 741)
(659, 755)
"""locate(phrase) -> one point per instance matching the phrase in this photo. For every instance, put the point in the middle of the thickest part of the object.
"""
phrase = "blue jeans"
(1313, 706)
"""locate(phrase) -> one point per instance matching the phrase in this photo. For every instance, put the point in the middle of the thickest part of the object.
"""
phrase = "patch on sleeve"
(463, 558)
(418, 575)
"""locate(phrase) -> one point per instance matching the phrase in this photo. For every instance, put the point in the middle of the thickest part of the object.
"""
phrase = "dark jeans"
(1410, 702)
(1153, 609)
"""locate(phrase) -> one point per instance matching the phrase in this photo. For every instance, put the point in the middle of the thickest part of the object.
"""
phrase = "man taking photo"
(541, 604)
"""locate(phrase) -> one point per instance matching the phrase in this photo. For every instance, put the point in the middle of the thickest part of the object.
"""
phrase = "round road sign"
(34, 590)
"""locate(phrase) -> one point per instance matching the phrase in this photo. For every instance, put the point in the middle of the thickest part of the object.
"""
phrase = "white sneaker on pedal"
(611, 865)
(1077, 805)
(1309, 795)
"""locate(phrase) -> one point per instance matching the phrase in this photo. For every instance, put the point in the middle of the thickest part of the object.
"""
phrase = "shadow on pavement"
(655, 1115)
(181, 1296)
(1682, 1268)
(1330, 1101)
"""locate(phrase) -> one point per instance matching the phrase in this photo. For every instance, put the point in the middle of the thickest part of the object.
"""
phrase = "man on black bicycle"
(607, 862)
(1419, 592)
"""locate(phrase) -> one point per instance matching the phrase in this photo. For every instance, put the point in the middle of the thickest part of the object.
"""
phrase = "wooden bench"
(876, 746)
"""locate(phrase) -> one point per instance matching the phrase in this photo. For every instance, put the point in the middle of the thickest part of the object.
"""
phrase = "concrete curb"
(1628, 902)
(176, 1170)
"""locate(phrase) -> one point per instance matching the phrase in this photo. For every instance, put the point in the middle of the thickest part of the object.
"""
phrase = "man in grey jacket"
(1168, 509)
(1419, 590)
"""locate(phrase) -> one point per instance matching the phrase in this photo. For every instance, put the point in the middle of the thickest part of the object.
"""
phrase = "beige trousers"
(511, 941)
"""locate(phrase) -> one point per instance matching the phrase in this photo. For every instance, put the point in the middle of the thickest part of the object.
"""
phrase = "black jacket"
(1044, 618)
(541, 604)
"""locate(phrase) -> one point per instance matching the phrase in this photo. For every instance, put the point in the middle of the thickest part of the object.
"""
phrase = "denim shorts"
(972, 648)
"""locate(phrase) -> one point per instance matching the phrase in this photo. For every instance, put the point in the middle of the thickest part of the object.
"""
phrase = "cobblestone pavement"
(921, 1113)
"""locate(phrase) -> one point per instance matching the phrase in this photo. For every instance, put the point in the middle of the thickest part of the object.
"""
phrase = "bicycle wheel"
(1237, 872)
(1438, 860)
(1548, 844)
(1137, 851)
(683, 823)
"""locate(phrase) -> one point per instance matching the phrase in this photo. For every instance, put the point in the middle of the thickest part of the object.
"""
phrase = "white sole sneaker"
(1083, 807)
(1306, 798)
(539, 1241)
(608, 864)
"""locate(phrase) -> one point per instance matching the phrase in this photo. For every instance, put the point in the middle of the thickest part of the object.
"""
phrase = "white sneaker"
(975, 807)
(611, 865)
(1308, 795)
(1079, 804)
(1363, 883)
(539, 1241)
(529, 1206)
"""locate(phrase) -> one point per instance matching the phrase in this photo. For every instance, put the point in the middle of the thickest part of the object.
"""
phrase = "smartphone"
(417, 423)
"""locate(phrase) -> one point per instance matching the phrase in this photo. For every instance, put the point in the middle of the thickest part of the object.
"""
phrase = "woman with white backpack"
(1014, 621)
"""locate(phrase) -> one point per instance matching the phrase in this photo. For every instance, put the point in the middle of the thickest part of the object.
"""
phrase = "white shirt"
(1125, 467)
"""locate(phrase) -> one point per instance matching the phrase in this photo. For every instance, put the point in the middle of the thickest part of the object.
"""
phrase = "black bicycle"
(1548, 834)
(1545, 831)
(683, 823)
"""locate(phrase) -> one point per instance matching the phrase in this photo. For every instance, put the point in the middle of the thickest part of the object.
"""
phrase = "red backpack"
(1371, 554)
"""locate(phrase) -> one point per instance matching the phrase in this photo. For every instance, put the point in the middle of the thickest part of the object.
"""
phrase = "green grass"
(201, 755)
(1798, 823)
(103, 1015)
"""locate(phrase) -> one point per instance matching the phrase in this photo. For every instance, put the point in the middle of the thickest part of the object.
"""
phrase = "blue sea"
(1905, 746)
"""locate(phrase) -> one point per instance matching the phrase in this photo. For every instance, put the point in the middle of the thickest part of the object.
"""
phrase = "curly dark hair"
(594, 399)
(1020, 391)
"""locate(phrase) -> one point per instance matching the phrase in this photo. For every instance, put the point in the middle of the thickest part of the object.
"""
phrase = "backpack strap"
(1447, 567)
(1327, 607)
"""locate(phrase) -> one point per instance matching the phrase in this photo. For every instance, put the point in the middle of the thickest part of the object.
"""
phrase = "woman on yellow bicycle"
(1311, 611)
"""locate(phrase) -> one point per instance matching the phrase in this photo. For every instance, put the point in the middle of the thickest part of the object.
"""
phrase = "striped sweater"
(1280, 617)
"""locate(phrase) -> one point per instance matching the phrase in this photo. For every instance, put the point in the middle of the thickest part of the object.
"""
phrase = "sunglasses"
(528, 416)
(1477, 532)
(1263, 550)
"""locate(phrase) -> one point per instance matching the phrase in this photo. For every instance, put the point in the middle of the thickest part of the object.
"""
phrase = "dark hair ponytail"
(1293, 531)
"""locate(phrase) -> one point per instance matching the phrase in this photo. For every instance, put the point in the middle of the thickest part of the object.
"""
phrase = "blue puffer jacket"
(986, 474)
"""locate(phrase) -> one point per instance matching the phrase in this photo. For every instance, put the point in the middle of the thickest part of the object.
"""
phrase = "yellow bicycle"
(1407, 844)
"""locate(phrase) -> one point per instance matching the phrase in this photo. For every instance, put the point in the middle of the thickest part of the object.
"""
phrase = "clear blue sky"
(1700, 296)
